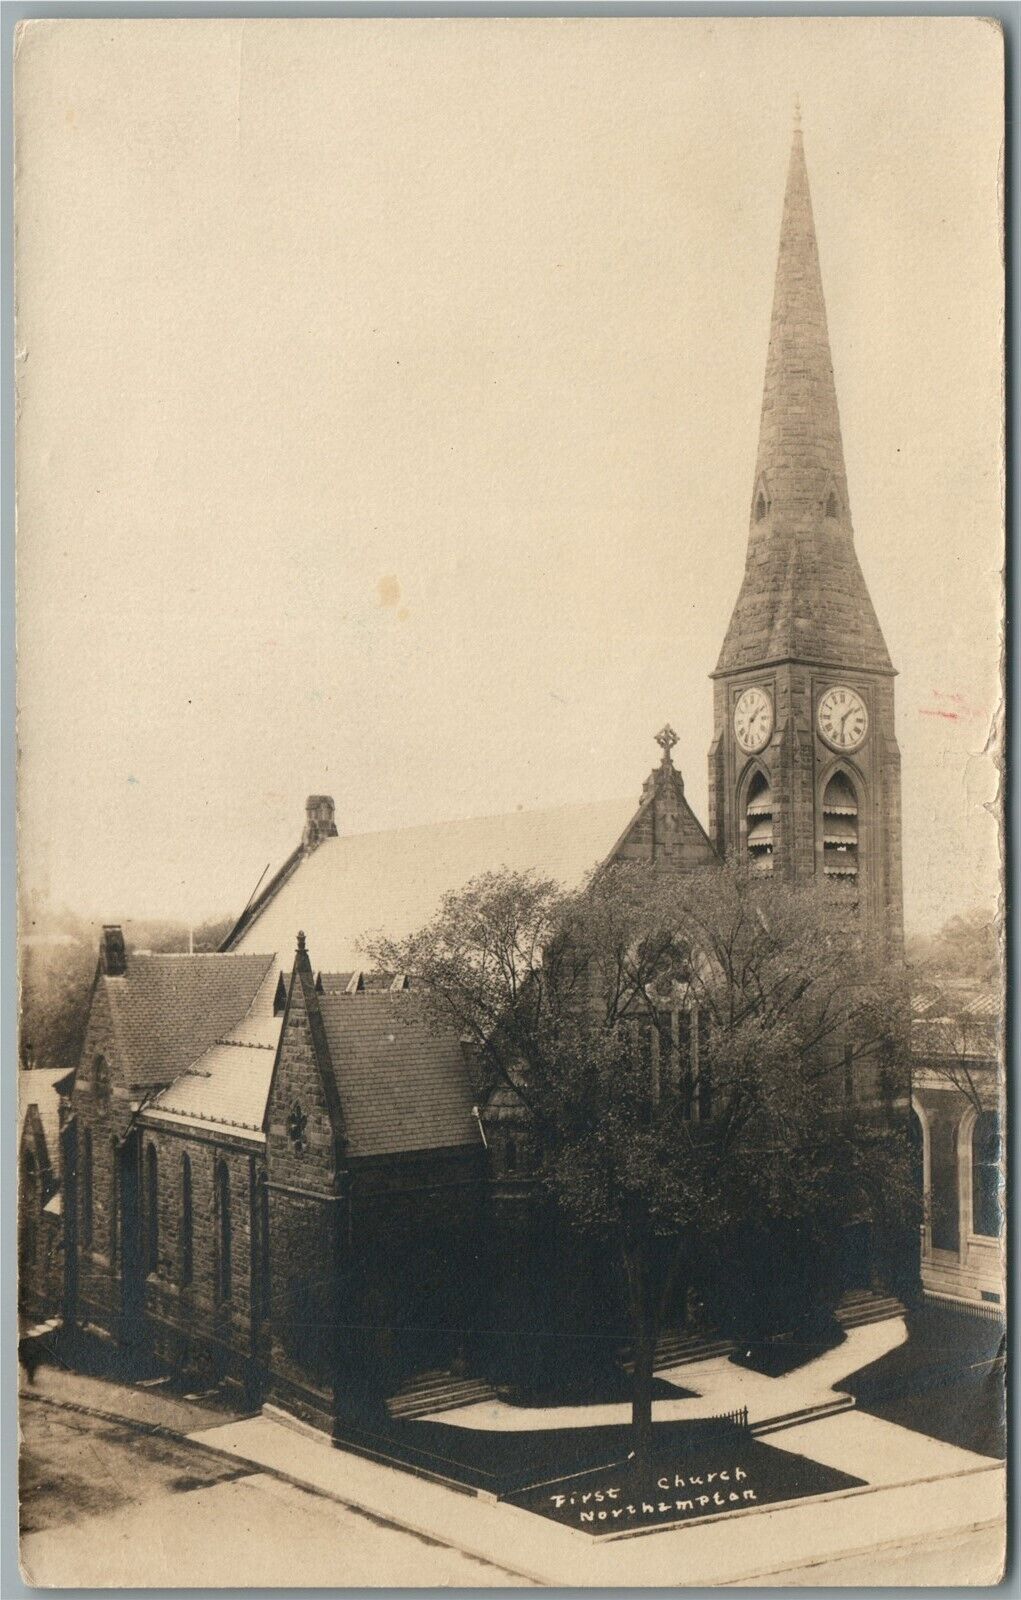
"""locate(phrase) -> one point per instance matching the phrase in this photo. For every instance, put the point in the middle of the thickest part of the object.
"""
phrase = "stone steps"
(437, 1391)
(858, 1310)
(678, 1349)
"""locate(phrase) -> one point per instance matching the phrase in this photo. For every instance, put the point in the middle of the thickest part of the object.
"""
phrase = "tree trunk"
(641, 1394)
(643, 1341)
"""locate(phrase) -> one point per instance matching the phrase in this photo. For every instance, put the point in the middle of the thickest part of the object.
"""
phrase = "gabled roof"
(168, 1009)
(352, 887)
(41, 1087)
(403, 1086)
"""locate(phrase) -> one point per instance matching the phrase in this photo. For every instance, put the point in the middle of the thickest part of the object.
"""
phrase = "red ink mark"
(950, 716)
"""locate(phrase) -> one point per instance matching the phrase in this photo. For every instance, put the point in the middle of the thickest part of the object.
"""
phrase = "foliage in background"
(58, 956)
(966, 948)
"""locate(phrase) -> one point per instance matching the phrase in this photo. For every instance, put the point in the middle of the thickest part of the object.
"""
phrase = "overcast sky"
(389, 401)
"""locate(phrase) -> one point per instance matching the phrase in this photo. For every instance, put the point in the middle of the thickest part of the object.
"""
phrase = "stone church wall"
(305, 1235)
(190, 1320)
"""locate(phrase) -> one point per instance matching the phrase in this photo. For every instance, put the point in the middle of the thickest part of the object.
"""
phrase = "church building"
(270, 1167)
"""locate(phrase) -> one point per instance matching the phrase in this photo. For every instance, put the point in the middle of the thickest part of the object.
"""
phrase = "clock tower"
(804, 769)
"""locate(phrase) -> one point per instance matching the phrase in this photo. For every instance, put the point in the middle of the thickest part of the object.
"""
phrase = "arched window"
(759, 820)
(187, 1233)
(985, 1175)
(223, 1265)
(840, 828)
(87, 1189)
(114, 1198)
(831, 505)
(511, 1155)
(100, 1076)
(944, 1202)
(152, 1200)
(264, 1268)
(29, 1207)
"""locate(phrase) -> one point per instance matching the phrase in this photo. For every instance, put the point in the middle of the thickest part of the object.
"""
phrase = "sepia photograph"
(510, 548)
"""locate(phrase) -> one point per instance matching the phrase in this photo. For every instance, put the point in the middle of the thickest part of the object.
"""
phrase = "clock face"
(753, 720)
(843, 718)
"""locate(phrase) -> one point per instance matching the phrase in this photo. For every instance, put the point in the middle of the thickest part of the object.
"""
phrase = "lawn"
(687, 1481)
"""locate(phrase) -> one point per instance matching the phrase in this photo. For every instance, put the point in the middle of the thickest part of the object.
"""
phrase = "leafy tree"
(681, 1045)
(966, 948)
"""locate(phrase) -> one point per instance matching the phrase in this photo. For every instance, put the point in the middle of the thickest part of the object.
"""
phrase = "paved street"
(967, 1559)
(110, 1503)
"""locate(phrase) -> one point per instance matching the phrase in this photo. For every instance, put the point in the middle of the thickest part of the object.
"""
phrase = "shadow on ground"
(947, 1381)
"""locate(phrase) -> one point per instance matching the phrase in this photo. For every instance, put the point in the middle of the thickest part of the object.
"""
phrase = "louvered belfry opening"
(840, 828)
(759, 819)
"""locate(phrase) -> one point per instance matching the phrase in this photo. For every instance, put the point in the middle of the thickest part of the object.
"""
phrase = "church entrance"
(431, 1335)
(857, 1263)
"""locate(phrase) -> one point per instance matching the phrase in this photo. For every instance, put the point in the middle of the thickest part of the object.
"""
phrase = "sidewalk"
(156, 1406)
(729, 1549)
(721, 1386)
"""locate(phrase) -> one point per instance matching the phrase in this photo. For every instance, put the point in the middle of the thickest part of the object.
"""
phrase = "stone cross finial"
(797, 111)
(666, 738)
(301, 942)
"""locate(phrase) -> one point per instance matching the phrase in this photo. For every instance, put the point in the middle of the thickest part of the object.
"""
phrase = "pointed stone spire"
(803, 595)
(801, 457)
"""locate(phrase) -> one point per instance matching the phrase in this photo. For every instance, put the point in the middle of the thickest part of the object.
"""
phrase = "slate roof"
(228, 1085)
(402, 1085)
(38, 1087)
(168, 1009)
(354, 886)
(803, 596)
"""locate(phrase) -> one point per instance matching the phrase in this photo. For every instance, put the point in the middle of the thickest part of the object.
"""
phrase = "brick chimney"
(319, 823)
(113, 958)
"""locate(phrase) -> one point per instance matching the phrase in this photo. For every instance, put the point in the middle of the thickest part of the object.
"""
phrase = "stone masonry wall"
(190, 1319)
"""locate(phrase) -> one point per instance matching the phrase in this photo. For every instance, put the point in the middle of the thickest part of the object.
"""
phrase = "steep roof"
(40, 1087)
(403, 1086)
(351, 887)
(168, 1009)
(803, 596)
(228, 1085)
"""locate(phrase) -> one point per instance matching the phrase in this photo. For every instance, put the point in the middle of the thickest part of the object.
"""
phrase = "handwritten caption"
(716, 1491)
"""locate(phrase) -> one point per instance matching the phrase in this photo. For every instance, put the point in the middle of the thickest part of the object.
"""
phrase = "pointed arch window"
(187, 1223)
(832, 509)
(264, 1302)
(114, 1199)
(87, 1189)
(760, 506)
(840, 828)
(152, 1200)
(223, 1232)
(759, 824)
(29, 1207)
